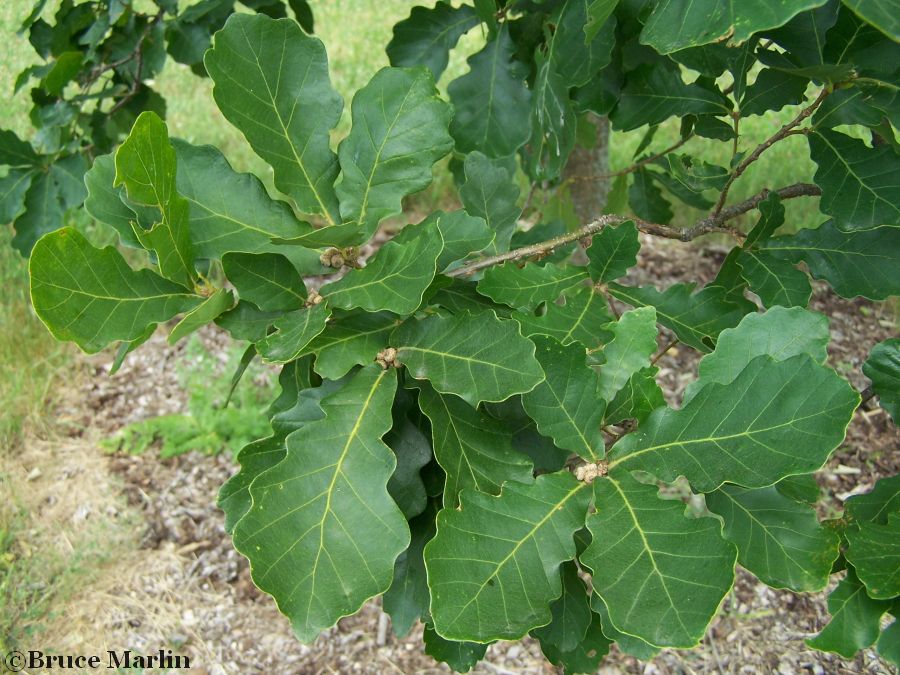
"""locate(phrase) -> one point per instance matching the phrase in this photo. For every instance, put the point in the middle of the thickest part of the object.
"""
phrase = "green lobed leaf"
(778, 539)
(478, 357)
(491, 193)
(553, 122)
(584, 318)
(574, 58)
(802, 36)
(406, 601)
(678, 24)
(528, 285)
(889, 644)
(802, 488)
(876, 505)
(328, 543)
(13, 188)
(351, 340)
(297, 405)
(68, 175)
(483, 553)
(455, 295)
(571, 613)
(880, 14)
(640, 396)
(874, 551)
(868, 106)
(511, 416)
(460, 656)
(598, 11)
(491, 102)
(629, 351)
(396, 278)
(399, 130)
(15, 152)
(786, 415)
(413, 452)
(694, 174)
(230, 211)
(646, 199)
(775, 281)
(661, 574)
(268, 280)
(271, 82)
(92, 297)
(729, 275)
(685, 189)
(47, 196)
(206, 312)
(428, 34)
(771, 217)
(146, 166)
(64, 69)
(613, 252)
(474, 451)
(293, 332)
(653, 94)
(697, 318)
(627, 644)
(105, 203)
(568, 405)
(43, 213)
(780, 333)
(858, 186)
(855, 619)
(587, 654)
(883, 368)
(772, 90)
(854, 263)
(247, 322)
(462, 234)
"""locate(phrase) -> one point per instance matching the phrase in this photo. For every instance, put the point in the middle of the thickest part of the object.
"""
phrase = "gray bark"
(581, 173)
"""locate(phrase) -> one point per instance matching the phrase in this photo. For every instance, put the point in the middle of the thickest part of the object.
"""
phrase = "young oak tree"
(464, 425)
(100, 57)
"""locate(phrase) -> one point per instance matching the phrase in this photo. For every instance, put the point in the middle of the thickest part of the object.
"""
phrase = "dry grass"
(64, 522)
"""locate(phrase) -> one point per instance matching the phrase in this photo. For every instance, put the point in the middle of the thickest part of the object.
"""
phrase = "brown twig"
(866, 395)
(662, 351)
(137, 55)
(101, 68)
(736, 116)
(781, 134)
(711, 224)
(789, 192)
(530, 196)
(611, 304)
(637, 165)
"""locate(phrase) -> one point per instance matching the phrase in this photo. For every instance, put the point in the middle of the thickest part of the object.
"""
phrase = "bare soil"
(166, 574)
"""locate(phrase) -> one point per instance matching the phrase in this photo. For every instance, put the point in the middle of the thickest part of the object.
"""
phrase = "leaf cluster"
(467, 423)
(99, 60)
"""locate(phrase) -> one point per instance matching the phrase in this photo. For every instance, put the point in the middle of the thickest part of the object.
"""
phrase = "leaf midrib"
(324, 210)
(550, 513)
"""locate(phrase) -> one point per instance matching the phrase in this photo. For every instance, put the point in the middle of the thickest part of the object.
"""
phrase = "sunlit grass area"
(31, 361)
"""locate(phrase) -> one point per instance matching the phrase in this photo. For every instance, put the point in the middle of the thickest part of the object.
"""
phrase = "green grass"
(208, 426)
(31, 360)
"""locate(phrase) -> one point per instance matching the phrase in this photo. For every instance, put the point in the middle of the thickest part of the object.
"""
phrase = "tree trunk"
(585, 163)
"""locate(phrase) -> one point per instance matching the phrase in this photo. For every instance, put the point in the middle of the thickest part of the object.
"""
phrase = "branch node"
(387, 358)
(587, 472)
